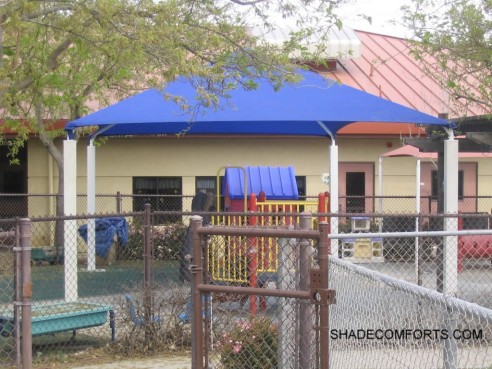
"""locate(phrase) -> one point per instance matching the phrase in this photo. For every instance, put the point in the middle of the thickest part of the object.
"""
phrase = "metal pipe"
(147, 256)
(245, 184)
(17, 294)
(305, 316)
(469, 232)
(253, 291)
(258, 232)
(25, 244)
(323, 252)
(119, 202)
(196, 296)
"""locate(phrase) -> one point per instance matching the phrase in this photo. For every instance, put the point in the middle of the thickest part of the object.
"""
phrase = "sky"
(382, 13)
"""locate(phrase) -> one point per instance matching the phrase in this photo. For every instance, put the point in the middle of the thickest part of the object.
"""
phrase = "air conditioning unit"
(361, 224)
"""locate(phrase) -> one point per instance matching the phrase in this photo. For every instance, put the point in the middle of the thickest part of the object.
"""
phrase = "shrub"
(251, 344)
(163, 331)
(167, 241)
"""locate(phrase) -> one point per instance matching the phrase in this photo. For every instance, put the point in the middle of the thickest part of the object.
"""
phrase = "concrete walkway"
(178, 362)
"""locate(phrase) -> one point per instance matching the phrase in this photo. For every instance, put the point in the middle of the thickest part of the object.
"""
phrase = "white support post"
(70, 226)
(334, 197)
(450, 274)
(380, 182)
(417, 211)
(91, 206)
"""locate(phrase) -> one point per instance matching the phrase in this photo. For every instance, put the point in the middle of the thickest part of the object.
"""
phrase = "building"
(183, 165)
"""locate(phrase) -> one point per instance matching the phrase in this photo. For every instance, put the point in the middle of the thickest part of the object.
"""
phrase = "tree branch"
(252, 2)
(54, 9)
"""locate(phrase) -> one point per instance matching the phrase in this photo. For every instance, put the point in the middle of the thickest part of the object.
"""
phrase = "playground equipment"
(271, 191)
(473, 246)
(362, 250)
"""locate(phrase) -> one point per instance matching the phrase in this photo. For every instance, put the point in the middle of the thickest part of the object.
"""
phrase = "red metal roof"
(387, 69)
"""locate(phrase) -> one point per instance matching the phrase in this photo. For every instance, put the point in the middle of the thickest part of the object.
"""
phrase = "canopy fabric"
(277, 183)
(409, 150)
(294, 109)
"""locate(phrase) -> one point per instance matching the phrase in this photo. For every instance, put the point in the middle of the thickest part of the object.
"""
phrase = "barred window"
(171, 200)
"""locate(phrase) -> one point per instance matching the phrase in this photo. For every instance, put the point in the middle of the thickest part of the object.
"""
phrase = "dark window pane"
(169, 187)
(434, 184)
(301, 185)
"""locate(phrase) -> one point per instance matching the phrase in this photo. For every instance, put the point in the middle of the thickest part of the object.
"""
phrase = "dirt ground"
(100, 359)
(167, 362)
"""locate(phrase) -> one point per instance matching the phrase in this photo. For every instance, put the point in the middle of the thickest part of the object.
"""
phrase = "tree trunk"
(57, 156)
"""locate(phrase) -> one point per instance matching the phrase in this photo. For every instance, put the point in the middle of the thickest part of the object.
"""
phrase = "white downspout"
(91, 198)
(51, 200)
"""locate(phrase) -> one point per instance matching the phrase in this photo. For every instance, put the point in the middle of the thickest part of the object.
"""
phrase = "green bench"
(40, 255)
(57, 317)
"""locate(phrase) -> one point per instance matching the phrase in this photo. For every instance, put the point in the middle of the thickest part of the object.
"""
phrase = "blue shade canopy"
(278, 183)
(294, 109)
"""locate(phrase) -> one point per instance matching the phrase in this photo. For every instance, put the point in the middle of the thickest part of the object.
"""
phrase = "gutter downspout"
(91, 198)
(51, 200)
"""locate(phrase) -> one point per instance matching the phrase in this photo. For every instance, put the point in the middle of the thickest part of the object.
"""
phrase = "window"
(434, 190)
(209, 184)
(301, 185)
(169, 187)
(13, 180)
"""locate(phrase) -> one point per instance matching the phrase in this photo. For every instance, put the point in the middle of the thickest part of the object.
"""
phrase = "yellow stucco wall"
(120, 159)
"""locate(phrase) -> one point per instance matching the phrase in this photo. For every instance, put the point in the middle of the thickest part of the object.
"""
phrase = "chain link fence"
(384, 322)
(421, 258)
(134, 294)
(7, 286)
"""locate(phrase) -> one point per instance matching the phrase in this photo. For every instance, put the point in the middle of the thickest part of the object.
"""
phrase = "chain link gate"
(277, 319)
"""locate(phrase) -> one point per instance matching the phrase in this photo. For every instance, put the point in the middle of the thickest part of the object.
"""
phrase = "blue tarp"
(294, 109)
(278, 183)
(106, 229)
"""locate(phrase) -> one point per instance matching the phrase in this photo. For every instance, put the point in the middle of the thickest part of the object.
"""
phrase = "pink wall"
(368, 170)
(469, 187)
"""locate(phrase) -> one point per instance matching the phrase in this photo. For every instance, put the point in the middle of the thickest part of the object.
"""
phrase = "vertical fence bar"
(305, 316)
(323, 251)
(147, 256)
(25, 243)
(119, 201)
(252, 256)
(17, 295)
(196, 279)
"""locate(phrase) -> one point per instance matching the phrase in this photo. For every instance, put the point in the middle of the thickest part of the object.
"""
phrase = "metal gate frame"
(313, 289)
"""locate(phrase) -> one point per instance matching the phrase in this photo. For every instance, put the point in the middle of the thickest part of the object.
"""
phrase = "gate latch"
(195, 269)
(320, 295)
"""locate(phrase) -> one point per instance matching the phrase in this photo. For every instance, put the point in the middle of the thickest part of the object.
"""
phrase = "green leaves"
(455, 48)
(63, 57)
